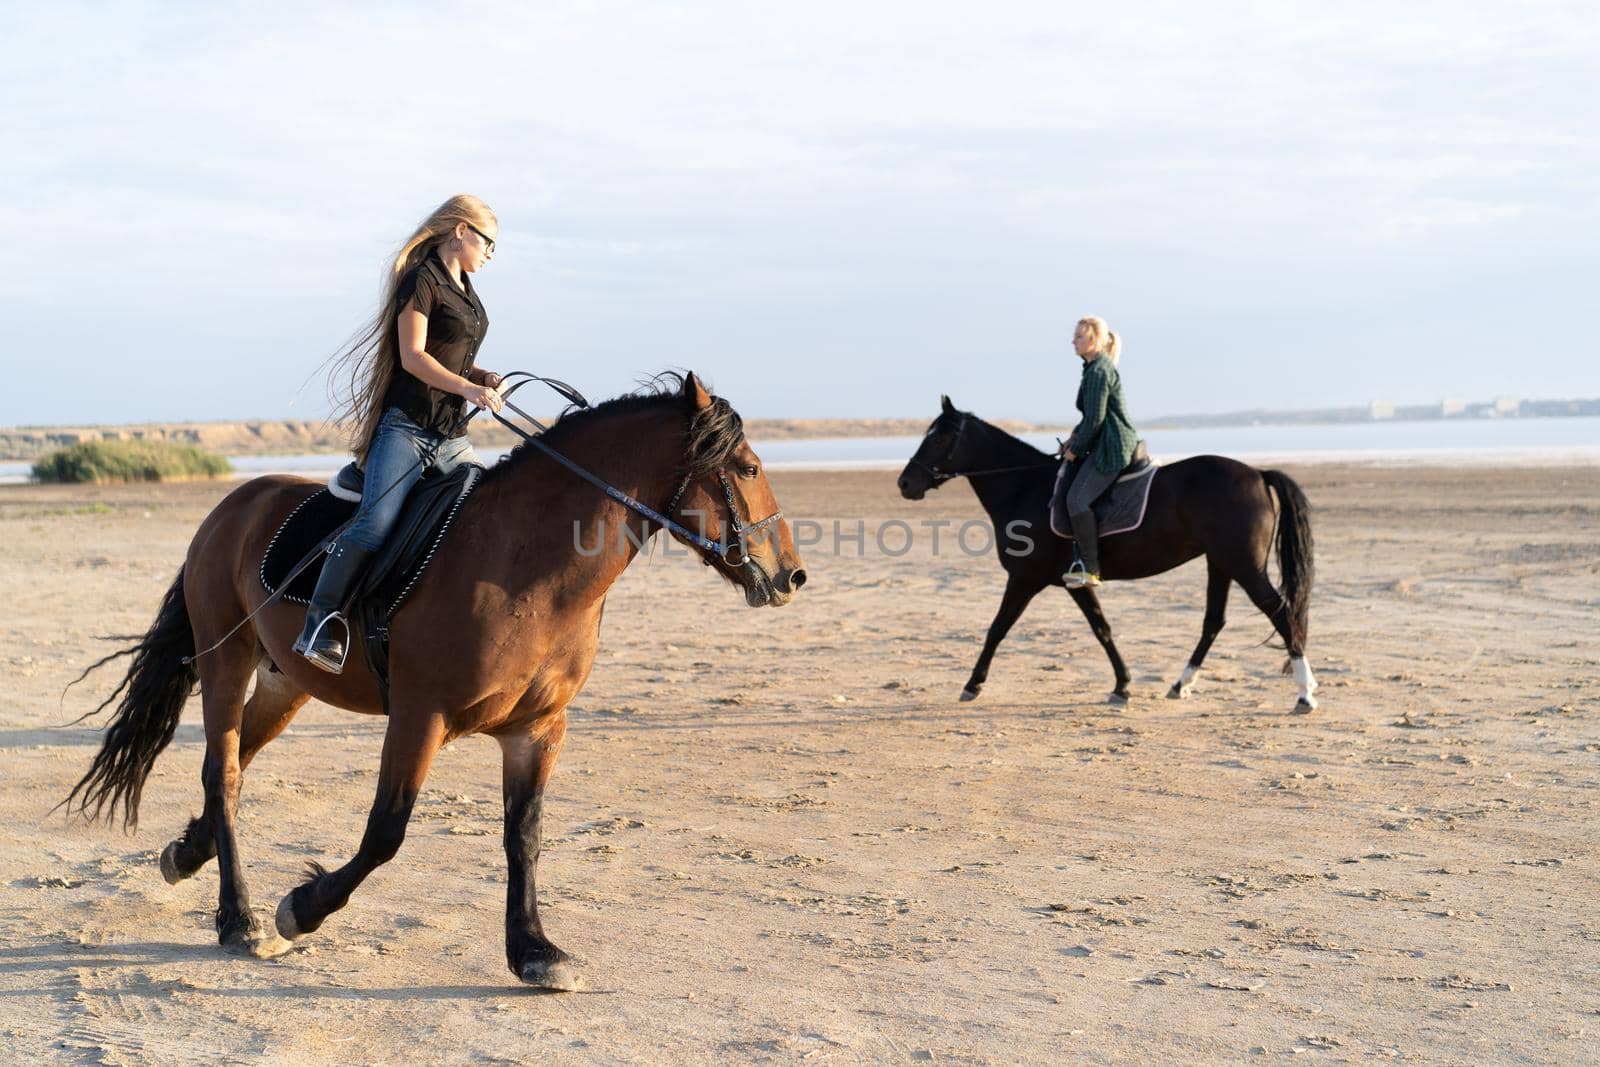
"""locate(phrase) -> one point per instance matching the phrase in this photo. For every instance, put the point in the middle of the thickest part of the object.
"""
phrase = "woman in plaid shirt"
(1099, 449)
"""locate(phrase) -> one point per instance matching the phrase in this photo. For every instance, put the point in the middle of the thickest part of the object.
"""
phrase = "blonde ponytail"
(1104, 340)
(362, 371)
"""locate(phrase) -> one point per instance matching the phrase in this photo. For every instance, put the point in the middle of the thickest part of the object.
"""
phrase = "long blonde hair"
(362, 371)
(1104, 340)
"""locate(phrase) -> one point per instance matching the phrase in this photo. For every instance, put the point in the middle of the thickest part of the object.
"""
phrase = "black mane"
(707, 442)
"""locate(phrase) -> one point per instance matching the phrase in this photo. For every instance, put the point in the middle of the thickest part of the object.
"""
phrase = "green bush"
(129, 461)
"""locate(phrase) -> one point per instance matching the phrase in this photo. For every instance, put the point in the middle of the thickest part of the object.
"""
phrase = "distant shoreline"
(266, 437)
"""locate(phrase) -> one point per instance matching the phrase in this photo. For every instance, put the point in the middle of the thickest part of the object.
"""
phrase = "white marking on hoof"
(1305, 679)
(283, 919)
(968, 694)
(558, 975)
(1185, 684)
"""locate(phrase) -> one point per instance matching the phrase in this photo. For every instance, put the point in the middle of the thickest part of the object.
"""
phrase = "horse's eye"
(751, 471)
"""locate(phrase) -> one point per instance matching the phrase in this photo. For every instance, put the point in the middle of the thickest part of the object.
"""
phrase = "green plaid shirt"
(1105, 432)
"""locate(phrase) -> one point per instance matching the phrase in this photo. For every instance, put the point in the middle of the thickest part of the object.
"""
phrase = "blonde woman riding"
(412, 371)
(1099, 449)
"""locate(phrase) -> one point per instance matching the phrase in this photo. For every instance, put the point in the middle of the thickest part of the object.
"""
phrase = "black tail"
(157, 685)
(1294, 552)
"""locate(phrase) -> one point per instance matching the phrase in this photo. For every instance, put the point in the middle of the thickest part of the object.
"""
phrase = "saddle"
(430, 510)
(1121, 508)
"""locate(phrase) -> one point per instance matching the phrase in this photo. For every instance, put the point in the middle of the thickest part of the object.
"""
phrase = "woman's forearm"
(431, 372)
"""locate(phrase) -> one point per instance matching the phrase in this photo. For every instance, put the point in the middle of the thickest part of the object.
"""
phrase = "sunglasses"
(488, 242)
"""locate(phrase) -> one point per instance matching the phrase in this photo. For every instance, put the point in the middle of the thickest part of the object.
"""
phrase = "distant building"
(1380, 409)
(1507, 405)
(1452, 406)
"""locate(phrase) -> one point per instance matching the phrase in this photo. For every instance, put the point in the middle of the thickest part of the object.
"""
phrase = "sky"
(827, 209)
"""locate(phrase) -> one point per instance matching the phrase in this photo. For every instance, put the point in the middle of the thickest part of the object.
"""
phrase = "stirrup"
(316, 658)
(1080, 577)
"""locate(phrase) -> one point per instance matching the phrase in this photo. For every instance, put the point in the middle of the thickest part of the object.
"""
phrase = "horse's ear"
(695, 393)
(949, 408)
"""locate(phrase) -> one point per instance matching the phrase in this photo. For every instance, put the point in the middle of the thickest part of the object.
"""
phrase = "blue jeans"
(400, 452)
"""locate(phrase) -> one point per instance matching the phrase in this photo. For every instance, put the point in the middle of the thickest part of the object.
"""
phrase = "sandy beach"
(778, 836)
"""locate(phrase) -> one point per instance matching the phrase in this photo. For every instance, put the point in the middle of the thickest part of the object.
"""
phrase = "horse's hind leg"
(224, 677)
(408, 750)
(1271, 602)
(1089, 604)
(266, 713)
(1218, 583)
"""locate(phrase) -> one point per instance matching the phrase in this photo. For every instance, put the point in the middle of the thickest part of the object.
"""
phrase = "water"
(1455, 441)
(1465, 441)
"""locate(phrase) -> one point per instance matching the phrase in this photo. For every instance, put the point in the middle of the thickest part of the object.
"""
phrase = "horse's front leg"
(1089, 604)
(527, 760)
(408, 751)
(1019, 591)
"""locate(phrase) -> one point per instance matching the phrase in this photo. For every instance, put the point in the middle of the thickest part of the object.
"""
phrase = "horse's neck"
(555, 525)
(998, 492)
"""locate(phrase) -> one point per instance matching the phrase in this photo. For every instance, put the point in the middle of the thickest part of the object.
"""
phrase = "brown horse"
(498, 636)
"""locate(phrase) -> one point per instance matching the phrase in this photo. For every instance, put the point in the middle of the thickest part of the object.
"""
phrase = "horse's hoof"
(255, 944)
(1179, 692)
(284, 919)
(1304, 706)
(969, 693)
(555, 974)
(170, 871)
(1119, 700)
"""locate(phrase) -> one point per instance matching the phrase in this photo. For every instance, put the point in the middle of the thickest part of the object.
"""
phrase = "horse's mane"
(708, 440)
(1006, 436)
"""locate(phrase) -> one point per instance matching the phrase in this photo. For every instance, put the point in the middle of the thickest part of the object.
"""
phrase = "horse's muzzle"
(762, 591)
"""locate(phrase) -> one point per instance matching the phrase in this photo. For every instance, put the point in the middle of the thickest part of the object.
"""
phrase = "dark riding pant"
(1077, 501)
(401, 451)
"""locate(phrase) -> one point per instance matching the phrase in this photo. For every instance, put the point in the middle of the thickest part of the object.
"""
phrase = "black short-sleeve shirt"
(456, 327)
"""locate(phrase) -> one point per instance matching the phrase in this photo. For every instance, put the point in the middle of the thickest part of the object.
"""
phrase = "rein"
(719, 549)
(567, 392)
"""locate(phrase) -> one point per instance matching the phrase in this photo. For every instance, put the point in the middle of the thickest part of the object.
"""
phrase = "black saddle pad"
(429, 511)
(1119, 510)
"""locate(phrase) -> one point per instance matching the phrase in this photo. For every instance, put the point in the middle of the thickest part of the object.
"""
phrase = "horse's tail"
(157, 685)
(1294, 551)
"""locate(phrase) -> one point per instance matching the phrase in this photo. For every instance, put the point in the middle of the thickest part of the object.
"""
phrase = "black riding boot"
(326, 633)
(1086, 534)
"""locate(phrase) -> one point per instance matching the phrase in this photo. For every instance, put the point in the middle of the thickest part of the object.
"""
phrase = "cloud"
(825, 181)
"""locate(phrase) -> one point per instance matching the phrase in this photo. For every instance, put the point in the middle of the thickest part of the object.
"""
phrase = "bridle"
(741, 534)
(939, 475)
(711, 552)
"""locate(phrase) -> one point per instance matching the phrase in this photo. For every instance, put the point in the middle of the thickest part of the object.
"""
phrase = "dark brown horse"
(1207, 506)
(498, 636)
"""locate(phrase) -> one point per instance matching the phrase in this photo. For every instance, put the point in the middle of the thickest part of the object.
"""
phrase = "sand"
(777, 835)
